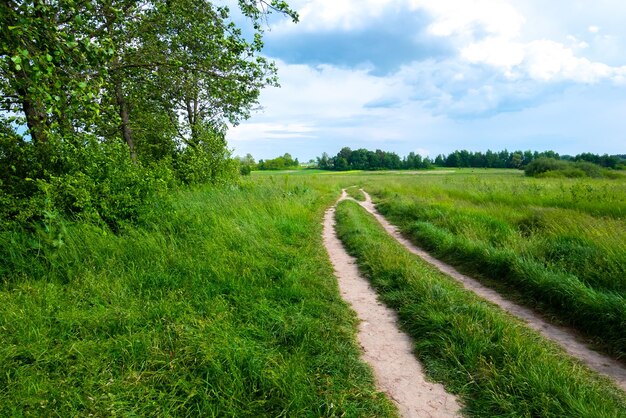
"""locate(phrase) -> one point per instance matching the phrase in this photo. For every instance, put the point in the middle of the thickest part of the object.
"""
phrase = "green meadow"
(556, 245)
(494, 363)
(221, 301)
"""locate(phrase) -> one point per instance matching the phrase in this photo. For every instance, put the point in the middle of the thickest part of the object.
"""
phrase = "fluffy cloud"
(469, 18)
(484, 32)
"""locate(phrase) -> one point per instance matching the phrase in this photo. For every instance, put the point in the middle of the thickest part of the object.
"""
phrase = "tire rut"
(386, 349)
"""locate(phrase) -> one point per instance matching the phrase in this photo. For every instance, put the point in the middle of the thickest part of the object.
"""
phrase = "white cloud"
(549, 60)
(488, 32)
(466, 17)
(318, 15)
(268, 130)
(330, 91)
(541, 60)
(496, 51)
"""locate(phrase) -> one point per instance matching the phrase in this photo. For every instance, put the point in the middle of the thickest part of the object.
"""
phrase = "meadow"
(497, 365)
(221, 301)
(556, 245)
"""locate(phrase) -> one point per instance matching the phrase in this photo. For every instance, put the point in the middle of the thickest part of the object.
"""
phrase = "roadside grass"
(222, 303)
(498, 366)
(556, 245)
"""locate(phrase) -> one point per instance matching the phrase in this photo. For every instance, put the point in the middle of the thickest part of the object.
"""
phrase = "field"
(222, 301)
(556, 245)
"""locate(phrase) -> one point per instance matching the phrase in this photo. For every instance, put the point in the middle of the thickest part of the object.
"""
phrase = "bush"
(542, 165)
(550, 167)
(84, 177)
(245, 170)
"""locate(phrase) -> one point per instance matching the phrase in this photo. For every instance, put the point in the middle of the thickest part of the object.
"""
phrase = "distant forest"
(362, 159)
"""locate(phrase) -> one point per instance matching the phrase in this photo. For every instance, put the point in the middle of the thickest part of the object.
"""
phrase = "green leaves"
(70, 67)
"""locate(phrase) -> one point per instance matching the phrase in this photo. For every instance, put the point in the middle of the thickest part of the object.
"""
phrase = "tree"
(63, 62)
(162, 78)
(198, 76)
(51, 56)
(279, 163)
(516, 159)
(323, 162)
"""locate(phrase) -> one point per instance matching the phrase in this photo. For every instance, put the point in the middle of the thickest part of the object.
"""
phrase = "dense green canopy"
(163, 77)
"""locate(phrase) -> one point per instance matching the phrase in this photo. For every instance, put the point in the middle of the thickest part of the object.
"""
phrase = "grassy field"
(497, 365)
(557, 245)
(222, 303)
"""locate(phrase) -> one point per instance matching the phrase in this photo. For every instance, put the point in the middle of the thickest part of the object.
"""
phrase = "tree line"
(105, 102)
(363, 159)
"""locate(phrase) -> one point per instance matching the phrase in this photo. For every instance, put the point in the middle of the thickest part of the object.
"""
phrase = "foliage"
(246, 164)
(163, 77)
(518, 159)
(607, 161)
(491, 159)
(549, 167)
(279, 163)
(363, 159)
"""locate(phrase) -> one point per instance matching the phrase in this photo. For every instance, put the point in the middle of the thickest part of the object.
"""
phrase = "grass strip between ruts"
(498, 366)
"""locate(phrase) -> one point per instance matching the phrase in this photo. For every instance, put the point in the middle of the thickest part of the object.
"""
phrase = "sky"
(434, 76)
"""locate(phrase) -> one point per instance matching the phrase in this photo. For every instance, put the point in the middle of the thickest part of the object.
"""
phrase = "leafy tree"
(162, 78)
(283, 162)
(516, 160)
(51, 59)
(323, 162)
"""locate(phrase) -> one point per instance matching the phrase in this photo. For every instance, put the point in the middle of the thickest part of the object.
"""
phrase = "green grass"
(221, 303)
(557, 245)
(355, 193)
(497, 365)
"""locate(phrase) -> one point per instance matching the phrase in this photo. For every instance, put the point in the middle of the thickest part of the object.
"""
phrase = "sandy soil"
(385, 348)
(566, 338)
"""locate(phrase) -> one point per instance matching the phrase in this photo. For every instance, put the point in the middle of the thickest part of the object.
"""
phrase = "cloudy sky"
(432, 76)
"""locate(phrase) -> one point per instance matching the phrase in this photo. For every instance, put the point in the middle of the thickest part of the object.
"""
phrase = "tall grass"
(497, 365)
(221, 303)
(557, 245)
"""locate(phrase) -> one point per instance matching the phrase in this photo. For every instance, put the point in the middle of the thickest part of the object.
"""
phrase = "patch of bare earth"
(385, 348)
(566, 338)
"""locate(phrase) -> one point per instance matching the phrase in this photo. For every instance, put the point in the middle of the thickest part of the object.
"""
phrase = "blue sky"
(432, 76)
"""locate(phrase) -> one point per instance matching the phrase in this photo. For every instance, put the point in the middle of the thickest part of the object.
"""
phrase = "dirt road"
(385, 348)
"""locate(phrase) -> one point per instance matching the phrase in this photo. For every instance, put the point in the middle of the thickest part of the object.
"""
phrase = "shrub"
(542, 165)
(550, 167)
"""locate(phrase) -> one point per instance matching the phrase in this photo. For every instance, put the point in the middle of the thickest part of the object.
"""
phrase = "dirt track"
(562, 336)
(385, 348)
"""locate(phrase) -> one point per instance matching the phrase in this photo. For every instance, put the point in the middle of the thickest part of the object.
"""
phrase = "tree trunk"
(192, 119)
(125, 127)
(36, 118)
